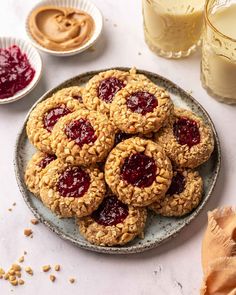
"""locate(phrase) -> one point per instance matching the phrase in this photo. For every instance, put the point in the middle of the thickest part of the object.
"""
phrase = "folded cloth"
(219, 253)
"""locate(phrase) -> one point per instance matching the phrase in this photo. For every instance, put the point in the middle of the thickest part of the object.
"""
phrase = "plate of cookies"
(118, 160)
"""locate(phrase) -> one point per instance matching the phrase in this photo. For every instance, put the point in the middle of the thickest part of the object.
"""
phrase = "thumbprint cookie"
(113, 223)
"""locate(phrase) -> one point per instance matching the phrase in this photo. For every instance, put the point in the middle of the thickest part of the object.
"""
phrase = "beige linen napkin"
(219, 253)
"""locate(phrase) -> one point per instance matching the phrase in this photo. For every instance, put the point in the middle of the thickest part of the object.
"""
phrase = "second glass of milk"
(173, 28)
(218, 69)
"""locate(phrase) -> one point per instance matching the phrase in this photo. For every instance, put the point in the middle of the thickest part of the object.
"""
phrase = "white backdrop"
(172, 269)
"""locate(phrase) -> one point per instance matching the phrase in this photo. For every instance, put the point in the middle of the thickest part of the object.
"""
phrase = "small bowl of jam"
(20, 69)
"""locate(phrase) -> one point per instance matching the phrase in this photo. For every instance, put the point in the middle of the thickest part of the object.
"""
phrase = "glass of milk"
(173, 28)
(218, 67)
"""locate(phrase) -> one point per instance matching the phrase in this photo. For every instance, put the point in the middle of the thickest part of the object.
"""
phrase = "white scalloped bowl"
(34, 59)
(84, 5)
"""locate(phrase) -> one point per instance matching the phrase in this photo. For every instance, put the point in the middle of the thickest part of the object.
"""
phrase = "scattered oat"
(21, 282)
(72, 280)
(46, 268)
(21, 259)
(52, 278)
(57, 267)
(29, 270)
(12, 274)
(34, 221)
(14, 282)
(28, 232)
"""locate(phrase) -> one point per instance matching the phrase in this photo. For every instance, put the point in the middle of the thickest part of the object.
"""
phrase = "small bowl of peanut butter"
(64, 27)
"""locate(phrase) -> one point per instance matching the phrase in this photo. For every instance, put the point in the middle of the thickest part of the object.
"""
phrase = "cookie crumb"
(10, 209)
(46, 268)
(29, 270)
(25, 253)
(115, 25)
(28, 232)
(72, 280)
(34, 221)
(139, 53)
(106, 19)
(21, 282)
(57, 267)
(52, 278)
(21, 259)
(14, 204)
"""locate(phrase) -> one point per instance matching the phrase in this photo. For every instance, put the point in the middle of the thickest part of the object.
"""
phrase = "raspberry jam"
(177, 185)
(108, 88)
(111, 212)
(186, 132)
(73, 182)
(45, 161)
(139, 170)
(141, 102)
(121, 136)
(81, 131)
(53, 115)
(15, 71)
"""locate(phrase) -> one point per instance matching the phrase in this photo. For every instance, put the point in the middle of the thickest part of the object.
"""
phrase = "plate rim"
(120, 249)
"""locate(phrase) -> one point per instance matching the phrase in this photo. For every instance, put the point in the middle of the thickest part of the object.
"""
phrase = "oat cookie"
(83, 137)
(184, 194)
(113, 223)
(36, 165)
(44, 117)
(100, 90)
(141, 107)
(138, 171)
(187, 140)
(69, 190)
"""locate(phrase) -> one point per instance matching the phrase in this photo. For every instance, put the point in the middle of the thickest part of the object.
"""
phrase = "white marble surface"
(172, 269)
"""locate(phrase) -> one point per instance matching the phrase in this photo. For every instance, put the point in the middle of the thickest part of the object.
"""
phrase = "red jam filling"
(108, 88)
(121, 136)
(139, 170)
(15, 71)
(81, 131)
(177, 185)
(186, 132)
(53, 115)
(45, 161)
(111, 212)
(73, 182)
(141, 102)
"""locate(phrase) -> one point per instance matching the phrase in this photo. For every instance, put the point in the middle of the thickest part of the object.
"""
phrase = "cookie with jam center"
(101, 88)
(141, 107)
(186, 139)
(83, 137)
(183, 195)
(138, 171)
(70, 190)
(47, 113)
(34, 170)
(113, 223)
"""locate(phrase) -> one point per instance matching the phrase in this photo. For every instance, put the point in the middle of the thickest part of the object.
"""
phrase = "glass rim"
(206, 10)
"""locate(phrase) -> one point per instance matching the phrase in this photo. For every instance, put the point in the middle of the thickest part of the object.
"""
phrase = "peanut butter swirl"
(60, 28)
